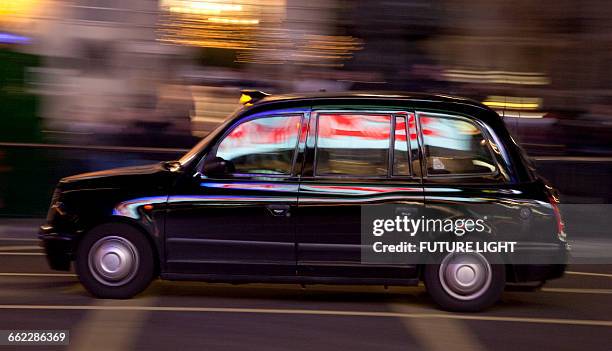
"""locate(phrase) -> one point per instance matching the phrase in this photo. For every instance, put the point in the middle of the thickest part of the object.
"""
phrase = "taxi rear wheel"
(115, 261)
(465, 282)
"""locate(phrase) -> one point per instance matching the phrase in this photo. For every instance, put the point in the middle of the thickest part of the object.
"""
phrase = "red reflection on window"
(400, 129)
(265, 131)
(373, 127)
(426, 126)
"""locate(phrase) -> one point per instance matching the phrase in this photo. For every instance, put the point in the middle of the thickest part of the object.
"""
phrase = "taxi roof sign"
(249, 97)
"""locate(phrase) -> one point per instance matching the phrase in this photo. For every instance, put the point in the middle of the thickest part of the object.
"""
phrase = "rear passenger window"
(353, 144)
(454, 146)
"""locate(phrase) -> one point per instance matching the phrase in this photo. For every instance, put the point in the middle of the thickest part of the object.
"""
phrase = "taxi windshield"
(191, 154)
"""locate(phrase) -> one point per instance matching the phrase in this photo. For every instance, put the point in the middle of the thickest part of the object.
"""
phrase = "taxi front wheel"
(115, 261)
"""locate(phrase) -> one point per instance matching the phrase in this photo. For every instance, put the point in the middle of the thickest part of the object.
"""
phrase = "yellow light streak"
(513, 103)
(498, 77)
(232, 20)
(201, 7)
(527, 106)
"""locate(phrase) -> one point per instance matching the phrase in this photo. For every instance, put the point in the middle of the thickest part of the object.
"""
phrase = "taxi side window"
(262, 146)
(454, 146)
(353, 144)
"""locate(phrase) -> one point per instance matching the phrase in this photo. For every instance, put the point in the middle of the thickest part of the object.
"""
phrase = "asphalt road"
(567, 314)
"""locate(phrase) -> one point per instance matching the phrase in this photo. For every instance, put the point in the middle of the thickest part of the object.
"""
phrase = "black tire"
(140, 276)
(446, 301)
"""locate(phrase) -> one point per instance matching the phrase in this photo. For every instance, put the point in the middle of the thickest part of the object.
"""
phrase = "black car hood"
(115, 177)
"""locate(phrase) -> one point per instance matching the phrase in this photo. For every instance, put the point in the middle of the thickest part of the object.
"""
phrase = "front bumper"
(59, 247)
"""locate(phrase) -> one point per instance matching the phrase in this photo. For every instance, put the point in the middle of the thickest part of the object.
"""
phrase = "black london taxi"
(274, 195)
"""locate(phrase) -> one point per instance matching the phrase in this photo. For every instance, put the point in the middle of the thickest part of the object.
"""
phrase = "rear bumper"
(538, 262)
(58, 247)
(522, 273)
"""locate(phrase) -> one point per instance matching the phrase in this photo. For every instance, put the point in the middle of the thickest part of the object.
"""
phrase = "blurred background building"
(162, 73)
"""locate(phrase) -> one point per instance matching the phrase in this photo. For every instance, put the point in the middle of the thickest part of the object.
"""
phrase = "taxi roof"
(369, 95)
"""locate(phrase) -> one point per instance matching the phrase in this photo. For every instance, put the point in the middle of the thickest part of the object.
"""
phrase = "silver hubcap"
(465, 276)
(113, 260)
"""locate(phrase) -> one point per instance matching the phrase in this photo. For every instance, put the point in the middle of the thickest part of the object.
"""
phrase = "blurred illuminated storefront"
(177, 65)
(280, 45)
(163, 72)
(18, 104)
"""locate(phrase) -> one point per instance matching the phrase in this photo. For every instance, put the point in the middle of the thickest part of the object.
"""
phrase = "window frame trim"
(411, 173)
(268, 114)
(475, 122)
(392, 113)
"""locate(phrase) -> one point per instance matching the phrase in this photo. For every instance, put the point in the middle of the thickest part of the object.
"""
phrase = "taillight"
(554, 202)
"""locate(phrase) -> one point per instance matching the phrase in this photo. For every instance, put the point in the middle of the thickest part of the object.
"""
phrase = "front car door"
(354, 158)
(239, 223)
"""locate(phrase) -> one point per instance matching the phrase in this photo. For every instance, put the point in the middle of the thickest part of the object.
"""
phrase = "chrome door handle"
(408, 211)
(279, 210)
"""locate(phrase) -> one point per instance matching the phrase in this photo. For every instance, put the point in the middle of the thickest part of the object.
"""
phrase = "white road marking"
(439, 334)
(22, 253)
(577, 291)
(18, 239)
(20, 247)
(102, 330)
(534, 320)
(590, 274)
(37, 275)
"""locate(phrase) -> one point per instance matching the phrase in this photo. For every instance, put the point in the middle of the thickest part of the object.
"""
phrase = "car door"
(467, 176)
(239, 223)
(353, 159)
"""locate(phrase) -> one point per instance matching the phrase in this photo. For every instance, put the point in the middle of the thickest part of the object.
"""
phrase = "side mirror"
(217, 166)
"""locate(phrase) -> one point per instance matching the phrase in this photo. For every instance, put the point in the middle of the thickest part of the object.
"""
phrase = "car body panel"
(221, 227)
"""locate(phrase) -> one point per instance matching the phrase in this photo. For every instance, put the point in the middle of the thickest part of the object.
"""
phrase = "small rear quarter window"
(454, 146)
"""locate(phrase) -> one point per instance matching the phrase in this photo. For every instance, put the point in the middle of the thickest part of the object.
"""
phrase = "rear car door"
(240, 223)
(467, 175)
(354, 158)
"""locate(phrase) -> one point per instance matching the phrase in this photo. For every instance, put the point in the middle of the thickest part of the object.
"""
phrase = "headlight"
(55, 197)
(55, 204)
